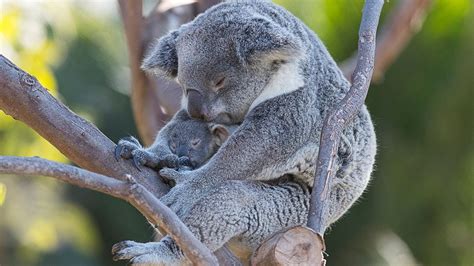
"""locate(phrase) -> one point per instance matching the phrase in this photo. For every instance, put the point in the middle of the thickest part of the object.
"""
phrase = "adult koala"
(252, 62)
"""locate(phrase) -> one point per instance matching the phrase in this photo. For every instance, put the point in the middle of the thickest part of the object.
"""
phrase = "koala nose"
(196, 106)
(182, 151)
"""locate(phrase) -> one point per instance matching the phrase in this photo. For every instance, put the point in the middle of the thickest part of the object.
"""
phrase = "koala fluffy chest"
(302, 164)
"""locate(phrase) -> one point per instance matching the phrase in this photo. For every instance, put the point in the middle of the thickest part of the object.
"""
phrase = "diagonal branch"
(403, 22)
(23, 97)
(342, 114)
(128, 190)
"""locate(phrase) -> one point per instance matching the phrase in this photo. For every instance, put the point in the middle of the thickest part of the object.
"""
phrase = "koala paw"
(125, 147)
(174, 175)
(151, 253)
(143, 157)
(130, 148)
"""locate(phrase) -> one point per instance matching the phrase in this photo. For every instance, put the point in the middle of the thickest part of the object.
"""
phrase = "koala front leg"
(259, 144)
(158, 155)
(130, 148)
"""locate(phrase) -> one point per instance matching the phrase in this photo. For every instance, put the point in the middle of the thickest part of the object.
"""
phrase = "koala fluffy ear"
(163, 59)
(220, 132)
(262, 39)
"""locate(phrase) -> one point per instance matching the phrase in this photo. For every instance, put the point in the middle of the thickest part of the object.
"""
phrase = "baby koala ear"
(162, 57)
(220, 132)
(262, 39)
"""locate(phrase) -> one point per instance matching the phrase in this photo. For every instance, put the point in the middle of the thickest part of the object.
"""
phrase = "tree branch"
(403, 22)
(128, 190)
(22, 97)
(147, 111)
(342, 114)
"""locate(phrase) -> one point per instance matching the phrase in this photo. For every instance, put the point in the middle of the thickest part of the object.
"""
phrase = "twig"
(403, 22)
(128, 190)
(342, 114)
(23, 97)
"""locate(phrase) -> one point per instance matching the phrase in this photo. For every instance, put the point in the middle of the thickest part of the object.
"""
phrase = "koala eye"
(219, 84)
(173, 147)
(195, 143)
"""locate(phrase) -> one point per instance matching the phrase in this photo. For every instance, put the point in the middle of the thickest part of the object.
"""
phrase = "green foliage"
(418, 207)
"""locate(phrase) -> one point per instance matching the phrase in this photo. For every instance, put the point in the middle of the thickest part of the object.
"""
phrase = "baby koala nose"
(182, 151)
(196, 106)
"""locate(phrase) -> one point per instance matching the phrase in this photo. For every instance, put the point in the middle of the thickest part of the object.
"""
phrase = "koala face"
(217, 88)
(223, 61)
(197, 140)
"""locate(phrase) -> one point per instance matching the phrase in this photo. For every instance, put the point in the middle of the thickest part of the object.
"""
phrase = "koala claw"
(118, 250)
(151, 253)
(125, 147)
(137, 163)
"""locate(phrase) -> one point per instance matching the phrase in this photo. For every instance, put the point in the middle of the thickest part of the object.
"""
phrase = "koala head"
(198, 140)
(223, 60)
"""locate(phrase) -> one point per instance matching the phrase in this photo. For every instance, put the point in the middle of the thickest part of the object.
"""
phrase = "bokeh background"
(418, 209)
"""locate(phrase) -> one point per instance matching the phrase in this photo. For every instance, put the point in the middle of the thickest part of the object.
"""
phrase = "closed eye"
(219, 84)
(195, 142)
(173, 147)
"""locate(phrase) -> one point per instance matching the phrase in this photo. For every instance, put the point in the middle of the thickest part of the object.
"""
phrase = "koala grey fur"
(252, 62)
(189, 143)
(239, 213)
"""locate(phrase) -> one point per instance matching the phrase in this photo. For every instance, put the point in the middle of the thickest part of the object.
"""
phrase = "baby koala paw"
(130, 148)
(125, 147)
(151, 253)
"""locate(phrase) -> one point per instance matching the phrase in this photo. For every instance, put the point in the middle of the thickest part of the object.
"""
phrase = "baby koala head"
(225, 58)
(198, 140)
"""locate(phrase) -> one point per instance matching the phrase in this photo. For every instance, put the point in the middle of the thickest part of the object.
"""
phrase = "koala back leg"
(355, 166)
(244, 213)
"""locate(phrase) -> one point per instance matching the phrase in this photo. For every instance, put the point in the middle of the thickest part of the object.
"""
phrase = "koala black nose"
(182, 151)
(196, 106)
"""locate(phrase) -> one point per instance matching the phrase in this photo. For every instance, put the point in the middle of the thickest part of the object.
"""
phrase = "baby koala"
(197, 141)
(190, 145)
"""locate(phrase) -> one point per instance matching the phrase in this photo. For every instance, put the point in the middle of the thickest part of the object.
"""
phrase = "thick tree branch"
(403, 22)
(22, 97)
(343, 114)
(148, 114)
(128, 190)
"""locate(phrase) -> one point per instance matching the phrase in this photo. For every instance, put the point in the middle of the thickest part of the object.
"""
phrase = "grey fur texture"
(188, 143)
(252, 62)
(239, 213)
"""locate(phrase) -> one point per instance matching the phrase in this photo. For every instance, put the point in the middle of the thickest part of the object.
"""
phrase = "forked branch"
(342, 114)
(128, 190)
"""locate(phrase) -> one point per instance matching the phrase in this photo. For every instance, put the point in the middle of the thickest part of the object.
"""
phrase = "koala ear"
(262, 39)
(220, 132)
(163, 59)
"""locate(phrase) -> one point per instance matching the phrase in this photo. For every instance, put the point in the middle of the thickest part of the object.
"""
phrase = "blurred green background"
(418, 209)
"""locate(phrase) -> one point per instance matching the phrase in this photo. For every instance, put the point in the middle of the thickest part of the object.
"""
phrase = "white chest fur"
(285, 80)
